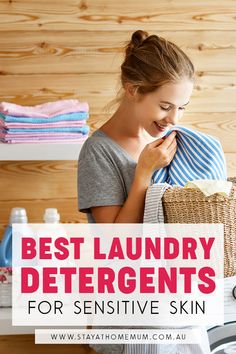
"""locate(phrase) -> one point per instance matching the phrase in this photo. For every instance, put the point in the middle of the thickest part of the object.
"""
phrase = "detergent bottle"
(19, 216)
(52, 225)
(51, 216)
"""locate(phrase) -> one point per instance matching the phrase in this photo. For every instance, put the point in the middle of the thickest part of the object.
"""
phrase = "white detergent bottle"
(52, 224)
(51, 216)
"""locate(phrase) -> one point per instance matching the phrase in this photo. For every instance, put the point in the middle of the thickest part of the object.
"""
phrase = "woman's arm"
(132, 210)
(154, 156)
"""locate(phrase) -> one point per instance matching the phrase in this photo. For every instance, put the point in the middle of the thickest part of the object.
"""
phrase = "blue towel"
(60, 117)
(198, 156)
(83, 130)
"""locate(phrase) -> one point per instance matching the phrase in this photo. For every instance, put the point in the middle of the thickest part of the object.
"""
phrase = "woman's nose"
(173, 117)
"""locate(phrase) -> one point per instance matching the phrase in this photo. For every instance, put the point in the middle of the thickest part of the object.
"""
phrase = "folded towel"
(45, 110)
(58, 118)
(42, 135)
(62, 124)
(55, 140)
(198, 156)
(210, 187)
(83, 130)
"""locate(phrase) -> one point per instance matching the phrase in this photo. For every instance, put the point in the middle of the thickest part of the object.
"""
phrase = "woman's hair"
(152, 61)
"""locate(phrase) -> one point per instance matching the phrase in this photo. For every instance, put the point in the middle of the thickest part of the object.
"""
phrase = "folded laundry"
(44, 110)
(210, 187)
(46, 140)
(84, 130)
(58, 118)
(42, 136)
(198, 156)
(62, 123)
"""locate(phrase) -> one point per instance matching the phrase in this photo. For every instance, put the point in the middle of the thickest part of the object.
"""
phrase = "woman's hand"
(155, 155)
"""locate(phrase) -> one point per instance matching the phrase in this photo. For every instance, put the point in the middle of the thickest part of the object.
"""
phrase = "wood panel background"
(73, 49)
(64, 49)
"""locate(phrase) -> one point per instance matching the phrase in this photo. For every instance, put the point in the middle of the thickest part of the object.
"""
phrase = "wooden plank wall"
(72, 49)
(54, 49)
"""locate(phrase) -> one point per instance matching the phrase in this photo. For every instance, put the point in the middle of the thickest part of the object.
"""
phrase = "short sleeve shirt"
(105, 173)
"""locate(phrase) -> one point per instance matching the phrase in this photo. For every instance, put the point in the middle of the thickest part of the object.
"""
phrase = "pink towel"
(50, 139)
(45, 110)
(40, 134)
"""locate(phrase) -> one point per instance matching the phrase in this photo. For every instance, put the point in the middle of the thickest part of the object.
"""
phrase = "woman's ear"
(130, 91)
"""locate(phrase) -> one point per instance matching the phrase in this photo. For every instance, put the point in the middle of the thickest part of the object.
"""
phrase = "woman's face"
(160, 110)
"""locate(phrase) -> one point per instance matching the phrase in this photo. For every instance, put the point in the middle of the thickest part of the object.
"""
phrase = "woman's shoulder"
(97, 144)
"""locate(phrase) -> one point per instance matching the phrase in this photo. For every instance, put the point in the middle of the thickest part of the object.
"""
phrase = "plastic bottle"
(51, 216)
(53, 227)
(19, 216)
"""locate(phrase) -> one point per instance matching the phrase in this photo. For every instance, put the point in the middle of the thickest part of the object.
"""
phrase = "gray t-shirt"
(105, 173)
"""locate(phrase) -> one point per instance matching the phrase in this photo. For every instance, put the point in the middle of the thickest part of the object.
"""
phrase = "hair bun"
(138, 37)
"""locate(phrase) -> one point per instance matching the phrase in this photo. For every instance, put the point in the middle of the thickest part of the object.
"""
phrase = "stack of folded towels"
(53, 122)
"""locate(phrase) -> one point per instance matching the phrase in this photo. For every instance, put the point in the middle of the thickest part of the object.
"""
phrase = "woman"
(117, 162)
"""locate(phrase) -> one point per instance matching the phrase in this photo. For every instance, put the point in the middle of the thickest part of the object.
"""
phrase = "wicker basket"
(190, 206)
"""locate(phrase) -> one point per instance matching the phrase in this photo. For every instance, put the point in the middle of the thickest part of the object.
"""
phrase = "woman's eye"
(169, 108)
(165, 108)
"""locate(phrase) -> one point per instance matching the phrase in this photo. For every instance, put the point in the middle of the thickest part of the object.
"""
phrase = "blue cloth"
(83, 130)
(60, 117)
(198, 156)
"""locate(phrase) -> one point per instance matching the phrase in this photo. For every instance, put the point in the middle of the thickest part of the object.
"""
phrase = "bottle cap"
(51, 215)
(18, 215)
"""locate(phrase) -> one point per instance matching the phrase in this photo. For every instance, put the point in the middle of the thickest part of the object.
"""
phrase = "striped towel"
(153, 213)
(202, 348)
(150, 349)
(198, 156)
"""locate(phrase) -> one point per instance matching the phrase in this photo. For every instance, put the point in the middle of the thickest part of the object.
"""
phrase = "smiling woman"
(163, 108)
(117, 162)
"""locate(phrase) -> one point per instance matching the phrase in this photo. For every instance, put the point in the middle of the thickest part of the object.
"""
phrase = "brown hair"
(152, 61)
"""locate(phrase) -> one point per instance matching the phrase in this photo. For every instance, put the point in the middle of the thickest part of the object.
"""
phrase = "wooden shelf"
(39, 151)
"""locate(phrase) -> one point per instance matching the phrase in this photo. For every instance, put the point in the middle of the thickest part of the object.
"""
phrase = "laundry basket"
(190, 206)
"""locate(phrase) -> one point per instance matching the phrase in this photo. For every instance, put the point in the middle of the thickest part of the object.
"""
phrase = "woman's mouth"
(160, 127)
